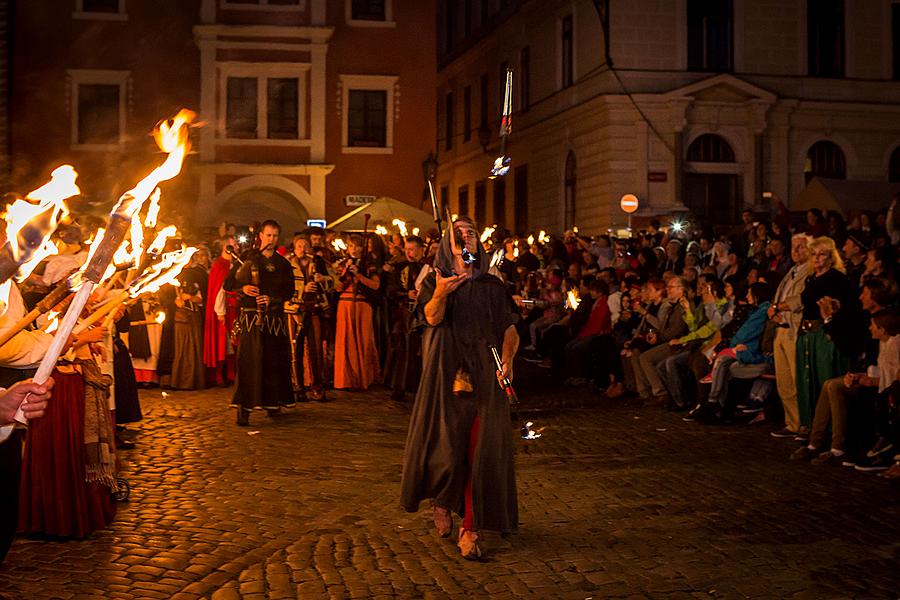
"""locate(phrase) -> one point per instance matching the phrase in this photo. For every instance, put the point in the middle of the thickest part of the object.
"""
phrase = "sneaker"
(849, 461)
(883, 445)
(801, 437)
(706, 379)
(804, 453)
(871, 465)
(828, 458)
(752, 410)
(783, 433)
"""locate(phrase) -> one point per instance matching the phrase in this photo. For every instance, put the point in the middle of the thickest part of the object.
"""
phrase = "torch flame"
(173, 139)
(53, 321)
(381, 230)
(401, 225)
(572, 299)
(486, 234)
(531, 240)
(415, 231)
(164, 272)
(42, 219)
(161, 317)
(159, 242)
(339, 245)
(152, 210)
(543, 237)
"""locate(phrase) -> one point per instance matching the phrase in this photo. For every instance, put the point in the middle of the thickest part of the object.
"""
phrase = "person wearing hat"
(854, 250)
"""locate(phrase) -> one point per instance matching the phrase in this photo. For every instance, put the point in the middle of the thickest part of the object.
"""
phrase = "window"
(710, 148)
(825, 32)
(106, 10)
(462, 207)
(825, 159)
(710, 26)
(240, 108)
(467, 17)
(98, 114)
(368, 13)
(480, 202)
(448, 121)
(262, 104)
(98, 101)
(894, 166)
(283, 109)
(467, 113)
(449, 24)
(484, 102)
(500, 201)
(367, 119)
(368, 10)
(570, 184)
(101, 6)
(520, 200)
(567, 75)
(525, 78)
(895, 32)
(368, 113)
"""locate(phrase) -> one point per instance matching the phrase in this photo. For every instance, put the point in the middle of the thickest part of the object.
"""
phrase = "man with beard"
(459, 449)
(265, 280)
(402, 365)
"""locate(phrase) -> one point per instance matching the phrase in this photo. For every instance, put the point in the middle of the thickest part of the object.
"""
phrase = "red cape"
(215, 332)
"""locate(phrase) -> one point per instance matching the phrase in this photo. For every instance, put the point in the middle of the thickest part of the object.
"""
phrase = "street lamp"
(429, 167)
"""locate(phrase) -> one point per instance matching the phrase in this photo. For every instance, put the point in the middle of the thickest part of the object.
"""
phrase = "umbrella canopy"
(383, 211)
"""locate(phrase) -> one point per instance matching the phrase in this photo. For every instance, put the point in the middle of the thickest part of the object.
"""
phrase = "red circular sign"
(629, 203)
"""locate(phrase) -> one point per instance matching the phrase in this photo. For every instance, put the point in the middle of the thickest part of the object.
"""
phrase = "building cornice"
(264, 169)
(316, 35)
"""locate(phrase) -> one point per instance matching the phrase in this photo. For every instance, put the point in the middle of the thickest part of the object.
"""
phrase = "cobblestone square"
(616, 501)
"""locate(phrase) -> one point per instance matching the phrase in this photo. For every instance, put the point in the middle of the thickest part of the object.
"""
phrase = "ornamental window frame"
(79, 77)
(369, 83)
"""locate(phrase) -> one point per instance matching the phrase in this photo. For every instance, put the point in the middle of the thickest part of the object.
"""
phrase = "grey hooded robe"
(435, 462)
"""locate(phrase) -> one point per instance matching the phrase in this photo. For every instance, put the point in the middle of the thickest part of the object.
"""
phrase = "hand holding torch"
(504, 381)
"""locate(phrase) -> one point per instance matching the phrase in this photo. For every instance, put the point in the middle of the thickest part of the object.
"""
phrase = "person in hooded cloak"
(459, 449)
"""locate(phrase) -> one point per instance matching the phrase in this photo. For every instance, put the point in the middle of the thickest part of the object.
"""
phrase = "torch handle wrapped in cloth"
(504, 381)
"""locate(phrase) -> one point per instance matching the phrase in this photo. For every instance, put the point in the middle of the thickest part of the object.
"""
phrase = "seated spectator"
(579, 351)
(839, 392)
(744, 348)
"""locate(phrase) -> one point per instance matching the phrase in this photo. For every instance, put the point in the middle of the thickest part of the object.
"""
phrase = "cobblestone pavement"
(615, 501)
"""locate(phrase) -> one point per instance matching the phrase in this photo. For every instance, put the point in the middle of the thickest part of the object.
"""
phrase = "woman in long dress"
(188, 371)
(355, 354)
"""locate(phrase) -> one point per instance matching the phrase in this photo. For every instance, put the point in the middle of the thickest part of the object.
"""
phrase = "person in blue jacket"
(744, 348)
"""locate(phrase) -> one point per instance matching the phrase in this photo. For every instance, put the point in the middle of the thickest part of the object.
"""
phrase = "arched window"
(825, 159)
(571, 180)
(894, 166)
(710, 148)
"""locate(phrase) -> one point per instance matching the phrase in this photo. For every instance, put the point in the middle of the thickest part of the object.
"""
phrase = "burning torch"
(173, 139)
(505, 383)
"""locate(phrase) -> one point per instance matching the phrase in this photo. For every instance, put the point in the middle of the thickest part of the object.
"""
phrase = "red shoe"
(707, 379)
(468, 544)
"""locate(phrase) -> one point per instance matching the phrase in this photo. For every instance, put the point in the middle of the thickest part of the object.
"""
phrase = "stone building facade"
(692, 105)
(300, 100)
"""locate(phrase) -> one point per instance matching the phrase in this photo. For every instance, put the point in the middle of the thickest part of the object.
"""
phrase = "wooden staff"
(50, 301)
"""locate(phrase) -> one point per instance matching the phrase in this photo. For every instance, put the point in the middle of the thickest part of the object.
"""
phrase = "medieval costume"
(166, 356)
(263, 378)
(355, 353)
(188, 372)
(144, 343)
(128, 405)
(402, 366)
(459, 449)
(69, 469)
(307, 324)
(218, 349)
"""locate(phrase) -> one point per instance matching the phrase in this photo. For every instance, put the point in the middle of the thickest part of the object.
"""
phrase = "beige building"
(691, 105)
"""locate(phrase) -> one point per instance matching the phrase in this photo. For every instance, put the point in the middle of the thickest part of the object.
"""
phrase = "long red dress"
(54, 498)
(215, 333)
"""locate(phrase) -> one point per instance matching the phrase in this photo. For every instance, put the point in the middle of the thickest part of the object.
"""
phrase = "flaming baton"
(171, 138)
(501, 164)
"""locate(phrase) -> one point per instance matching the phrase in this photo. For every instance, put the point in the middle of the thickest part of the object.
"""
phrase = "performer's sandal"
(468, 544)
(443, 520)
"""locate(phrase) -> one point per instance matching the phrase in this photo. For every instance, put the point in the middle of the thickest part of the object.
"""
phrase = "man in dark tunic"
(402, 367)
(459, 450)
(264, 282)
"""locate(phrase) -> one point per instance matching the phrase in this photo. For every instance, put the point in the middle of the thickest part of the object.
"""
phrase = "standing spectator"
(786, 312)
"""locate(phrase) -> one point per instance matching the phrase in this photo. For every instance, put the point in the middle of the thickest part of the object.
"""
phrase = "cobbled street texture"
(616, 500)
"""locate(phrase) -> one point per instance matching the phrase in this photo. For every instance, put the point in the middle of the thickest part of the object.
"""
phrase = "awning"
(845, 195)
(383, 211)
